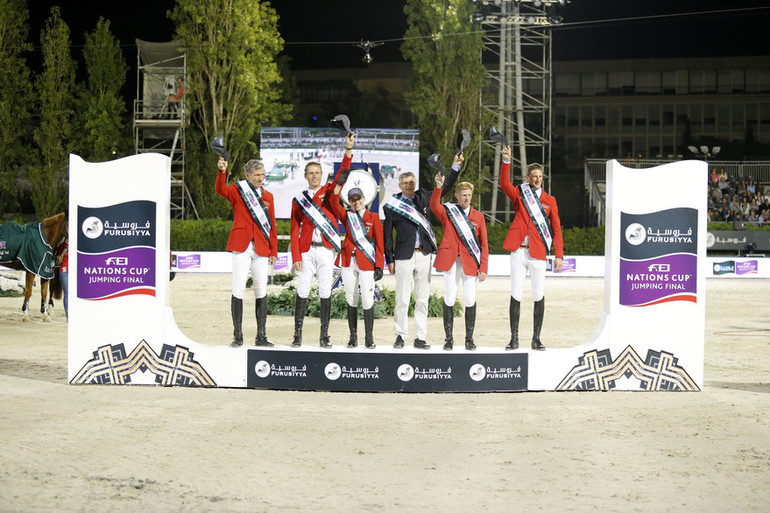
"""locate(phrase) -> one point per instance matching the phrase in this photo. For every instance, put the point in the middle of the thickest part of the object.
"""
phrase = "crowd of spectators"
(737, 199)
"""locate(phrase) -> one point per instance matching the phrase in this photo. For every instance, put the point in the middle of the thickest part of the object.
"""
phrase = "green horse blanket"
(27, 243)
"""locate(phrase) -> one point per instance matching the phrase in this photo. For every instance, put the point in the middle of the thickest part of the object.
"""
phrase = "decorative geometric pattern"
(597, 371)
(175, 366)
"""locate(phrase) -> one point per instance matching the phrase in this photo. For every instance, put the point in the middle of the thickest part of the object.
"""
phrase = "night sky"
(641, 28)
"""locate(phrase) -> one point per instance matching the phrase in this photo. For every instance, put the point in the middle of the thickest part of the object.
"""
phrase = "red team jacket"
(522, 224)
(451, 245)
(373, 228)
(244, 228)
(301, 225)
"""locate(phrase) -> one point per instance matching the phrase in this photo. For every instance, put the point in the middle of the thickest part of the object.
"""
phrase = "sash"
(537, 214)
(360, 238)
(319, 218)
(407, 210)
(465, 230)
(256, 208)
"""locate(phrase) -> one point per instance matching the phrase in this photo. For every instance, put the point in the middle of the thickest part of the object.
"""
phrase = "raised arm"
(454, 174)
(505, 175)
(221, 184)
(435, 200)
(335, 204)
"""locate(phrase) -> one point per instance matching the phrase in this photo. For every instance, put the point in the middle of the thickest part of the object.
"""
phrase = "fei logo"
(122, 261)
(663, 268)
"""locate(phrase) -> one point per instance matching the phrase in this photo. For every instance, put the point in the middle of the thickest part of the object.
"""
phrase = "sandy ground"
(126, 449)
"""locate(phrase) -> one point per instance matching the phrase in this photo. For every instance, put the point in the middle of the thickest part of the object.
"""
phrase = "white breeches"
(417, 270)
(317, 261)
(521, 262)
(452, 279)
(352, 277)
(249, 263)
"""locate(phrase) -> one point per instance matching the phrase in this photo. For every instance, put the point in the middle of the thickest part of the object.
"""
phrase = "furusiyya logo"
(637, 234)
(93, 228)
(264, 369)
(334, 371)
(406, 372)
(478, 372)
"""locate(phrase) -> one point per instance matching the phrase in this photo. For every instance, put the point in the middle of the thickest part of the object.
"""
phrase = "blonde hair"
(462, 186)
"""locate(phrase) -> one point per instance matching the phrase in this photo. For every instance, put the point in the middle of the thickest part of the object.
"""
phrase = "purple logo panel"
(657, 280)
(188, 262)
(281, 263)
(747, 267)
(117, 273)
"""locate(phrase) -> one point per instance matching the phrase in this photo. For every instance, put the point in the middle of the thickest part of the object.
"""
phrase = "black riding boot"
(538, 317)
(449, 319)
(470, 325)
(299, 318)
(513, 315)
(261, 311)
(353, 325)
(236, 309)
(326, 311)
(369, 327)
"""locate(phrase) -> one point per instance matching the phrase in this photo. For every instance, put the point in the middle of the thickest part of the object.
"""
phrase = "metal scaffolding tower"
(517, 55)
(160, 114)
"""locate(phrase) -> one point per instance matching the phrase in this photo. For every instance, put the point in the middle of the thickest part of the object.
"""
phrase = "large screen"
(383, 153)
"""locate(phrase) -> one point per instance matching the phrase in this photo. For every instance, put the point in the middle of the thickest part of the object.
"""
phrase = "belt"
(524, 246)
(417, 250)
(317, 244)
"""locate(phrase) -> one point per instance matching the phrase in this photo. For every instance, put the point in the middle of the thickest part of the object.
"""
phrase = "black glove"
(343, 177)
(378, 273)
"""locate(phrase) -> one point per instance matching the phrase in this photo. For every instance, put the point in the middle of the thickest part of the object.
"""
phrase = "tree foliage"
(233, 85)
(233, 82)
(103, 107)
(15, 98)
(444, 48)
(56, 92)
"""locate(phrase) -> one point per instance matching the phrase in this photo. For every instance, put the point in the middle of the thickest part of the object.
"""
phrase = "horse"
(54, 230)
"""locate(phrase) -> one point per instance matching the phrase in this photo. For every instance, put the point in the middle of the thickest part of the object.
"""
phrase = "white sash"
(357, 232)
(537, 214)
(465, 230)
(319, 218)
(255, 206)
(408, 211)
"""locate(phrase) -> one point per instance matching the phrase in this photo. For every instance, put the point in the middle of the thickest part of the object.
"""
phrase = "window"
(594, 83)
(567, 84)
(620, 82)
(648, 82)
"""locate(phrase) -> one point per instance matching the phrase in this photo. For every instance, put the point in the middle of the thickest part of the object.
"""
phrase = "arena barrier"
(650, 334)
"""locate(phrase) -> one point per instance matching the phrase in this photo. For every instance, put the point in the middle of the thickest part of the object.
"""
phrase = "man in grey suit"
(409, 258)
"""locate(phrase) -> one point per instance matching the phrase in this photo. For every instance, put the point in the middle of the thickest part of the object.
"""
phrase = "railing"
(159, 113)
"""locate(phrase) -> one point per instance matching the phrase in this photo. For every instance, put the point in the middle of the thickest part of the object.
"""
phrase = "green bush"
(584, 241)
(212, 234)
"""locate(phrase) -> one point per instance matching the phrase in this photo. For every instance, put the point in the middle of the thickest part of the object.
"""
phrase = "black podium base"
(356, 371)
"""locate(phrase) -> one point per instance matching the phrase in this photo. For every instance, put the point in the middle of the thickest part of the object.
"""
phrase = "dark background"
(320, 34)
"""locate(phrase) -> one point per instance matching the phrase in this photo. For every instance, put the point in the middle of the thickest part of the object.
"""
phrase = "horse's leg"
(28, 284)
(44, 296)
